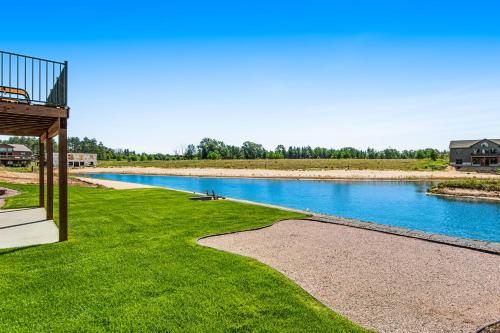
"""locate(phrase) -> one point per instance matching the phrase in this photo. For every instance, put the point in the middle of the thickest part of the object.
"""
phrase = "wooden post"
(63, 180)
(50, 178)
(41, 187)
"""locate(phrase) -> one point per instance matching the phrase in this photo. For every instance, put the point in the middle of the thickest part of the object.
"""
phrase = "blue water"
(401, 204)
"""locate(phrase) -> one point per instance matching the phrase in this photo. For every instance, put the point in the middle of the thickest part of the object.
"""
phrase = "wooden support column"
(50, 178)
(41, 174)
(63, 179)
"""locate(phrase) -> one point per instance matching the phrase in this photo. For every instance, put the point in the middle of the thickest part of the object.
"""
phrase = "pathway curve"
(385, 282)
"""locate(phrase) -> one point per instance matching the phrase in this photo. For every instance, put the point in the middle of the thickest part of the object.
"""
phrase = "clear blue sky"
(156, 76)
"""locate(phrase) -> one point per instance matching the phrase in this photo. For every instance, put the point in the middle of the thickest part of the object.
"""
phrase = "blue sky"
(156, 76)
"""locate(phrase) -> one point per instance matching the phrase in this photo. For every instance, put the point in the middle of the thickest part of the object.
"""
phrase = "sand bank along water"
(293, 174)
(112, 183)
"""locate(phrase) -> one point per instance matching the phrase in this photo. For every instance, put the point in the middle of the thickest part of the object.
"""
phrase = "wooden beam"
(50, 179)
(34, 110)
(17, 120)
(25, 126)
(28, 132)
(63, 180)
(13, 127)
(20, 124)
(24, 118)
(52, 131)
(41, 176)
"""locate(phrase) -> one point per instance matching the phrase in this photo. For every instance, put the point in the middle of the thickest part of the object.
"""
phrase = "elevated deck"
(34, 102)
(33, 95)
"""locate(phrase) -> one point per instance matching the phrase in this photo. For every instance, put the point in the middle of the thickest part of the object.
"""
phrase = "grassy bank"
(488, 185)
(132, 264)
(30, 168)
(288, 164)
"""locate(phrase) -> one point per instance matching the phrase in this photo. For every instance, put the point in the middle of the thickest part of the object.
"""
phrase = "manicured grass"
(311, 164)
(473, 184)
(132, 264)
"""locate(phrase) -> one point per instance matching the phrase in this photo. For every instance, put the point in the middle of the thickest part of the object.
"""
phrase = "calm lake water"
(401, 204)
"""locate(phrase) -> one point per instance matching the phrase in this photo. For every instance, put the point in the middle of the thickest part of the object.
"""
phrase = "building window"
(458, 161)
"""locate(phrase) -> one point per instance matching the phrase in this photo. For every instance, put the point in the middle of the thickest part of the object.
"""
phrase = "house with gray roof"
(475, 153)
(15, 155)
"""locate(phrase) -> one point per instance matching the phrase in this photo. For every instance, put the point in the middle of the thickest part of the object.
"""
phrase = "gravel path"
(8, 193)
(384, 282)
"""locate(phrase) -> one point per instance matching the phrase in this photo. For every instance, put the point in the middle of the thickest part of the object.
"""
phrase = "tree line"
(215, 150)
(212, 149)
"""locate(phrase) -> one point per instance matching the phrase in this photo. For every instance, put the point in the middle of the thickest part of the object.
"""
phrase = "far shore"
(469, 189)
(291, 174)
(467, 194)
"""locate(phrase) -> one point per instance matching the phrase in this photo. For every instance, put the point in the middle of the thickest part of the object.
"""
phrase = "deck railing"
(32, 80)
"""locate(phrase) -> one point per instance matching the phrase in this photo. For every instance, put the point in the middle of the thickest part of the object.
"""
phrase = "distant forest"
(215, 150)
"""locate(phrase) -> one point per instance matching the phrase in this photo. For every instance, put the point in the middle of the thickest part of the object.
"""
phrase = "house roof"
(20, 148)
(469, 143)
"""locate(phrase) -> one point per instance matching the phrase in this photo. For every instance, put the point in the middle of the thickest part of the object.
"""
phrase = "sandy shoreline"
(292, 174)
(116, 185)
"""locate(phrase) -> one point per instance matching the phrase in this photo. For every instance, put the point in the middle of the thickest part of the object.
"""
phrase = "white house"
(78, 159)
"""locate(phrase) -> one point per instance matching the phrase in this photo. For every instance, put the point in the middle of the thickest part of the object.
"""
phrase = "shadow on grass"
(16, 249)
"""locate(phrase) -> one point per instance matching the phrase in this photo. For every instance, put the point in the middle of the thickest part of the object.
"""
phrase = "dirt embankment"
(467, 193)
(32, 178)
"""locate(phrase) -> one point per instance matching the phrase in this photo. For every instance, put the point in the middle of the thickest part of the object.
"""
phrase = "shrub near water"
(473, 184)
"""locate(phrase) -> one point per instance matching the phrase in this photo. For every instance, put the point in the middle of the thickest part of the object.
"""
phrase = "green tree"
(214, 155)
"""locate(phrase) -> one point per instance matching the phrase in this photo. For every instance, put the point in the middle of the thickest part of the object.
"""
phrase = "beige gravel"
(302, 174)
(8, 193)
(384, 282)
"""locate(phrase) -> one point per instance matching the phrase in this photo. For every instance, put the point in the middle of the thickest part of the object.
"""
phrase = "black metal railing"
(32, 80)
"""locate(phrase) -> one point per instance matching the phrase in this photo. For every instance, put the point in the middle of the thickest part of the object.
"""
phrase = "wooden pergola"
(33, 102)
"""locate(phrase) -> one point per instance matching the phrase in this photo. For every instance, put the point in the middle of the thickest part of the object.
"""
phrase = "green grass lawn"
(132, 264)
(306, 164)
